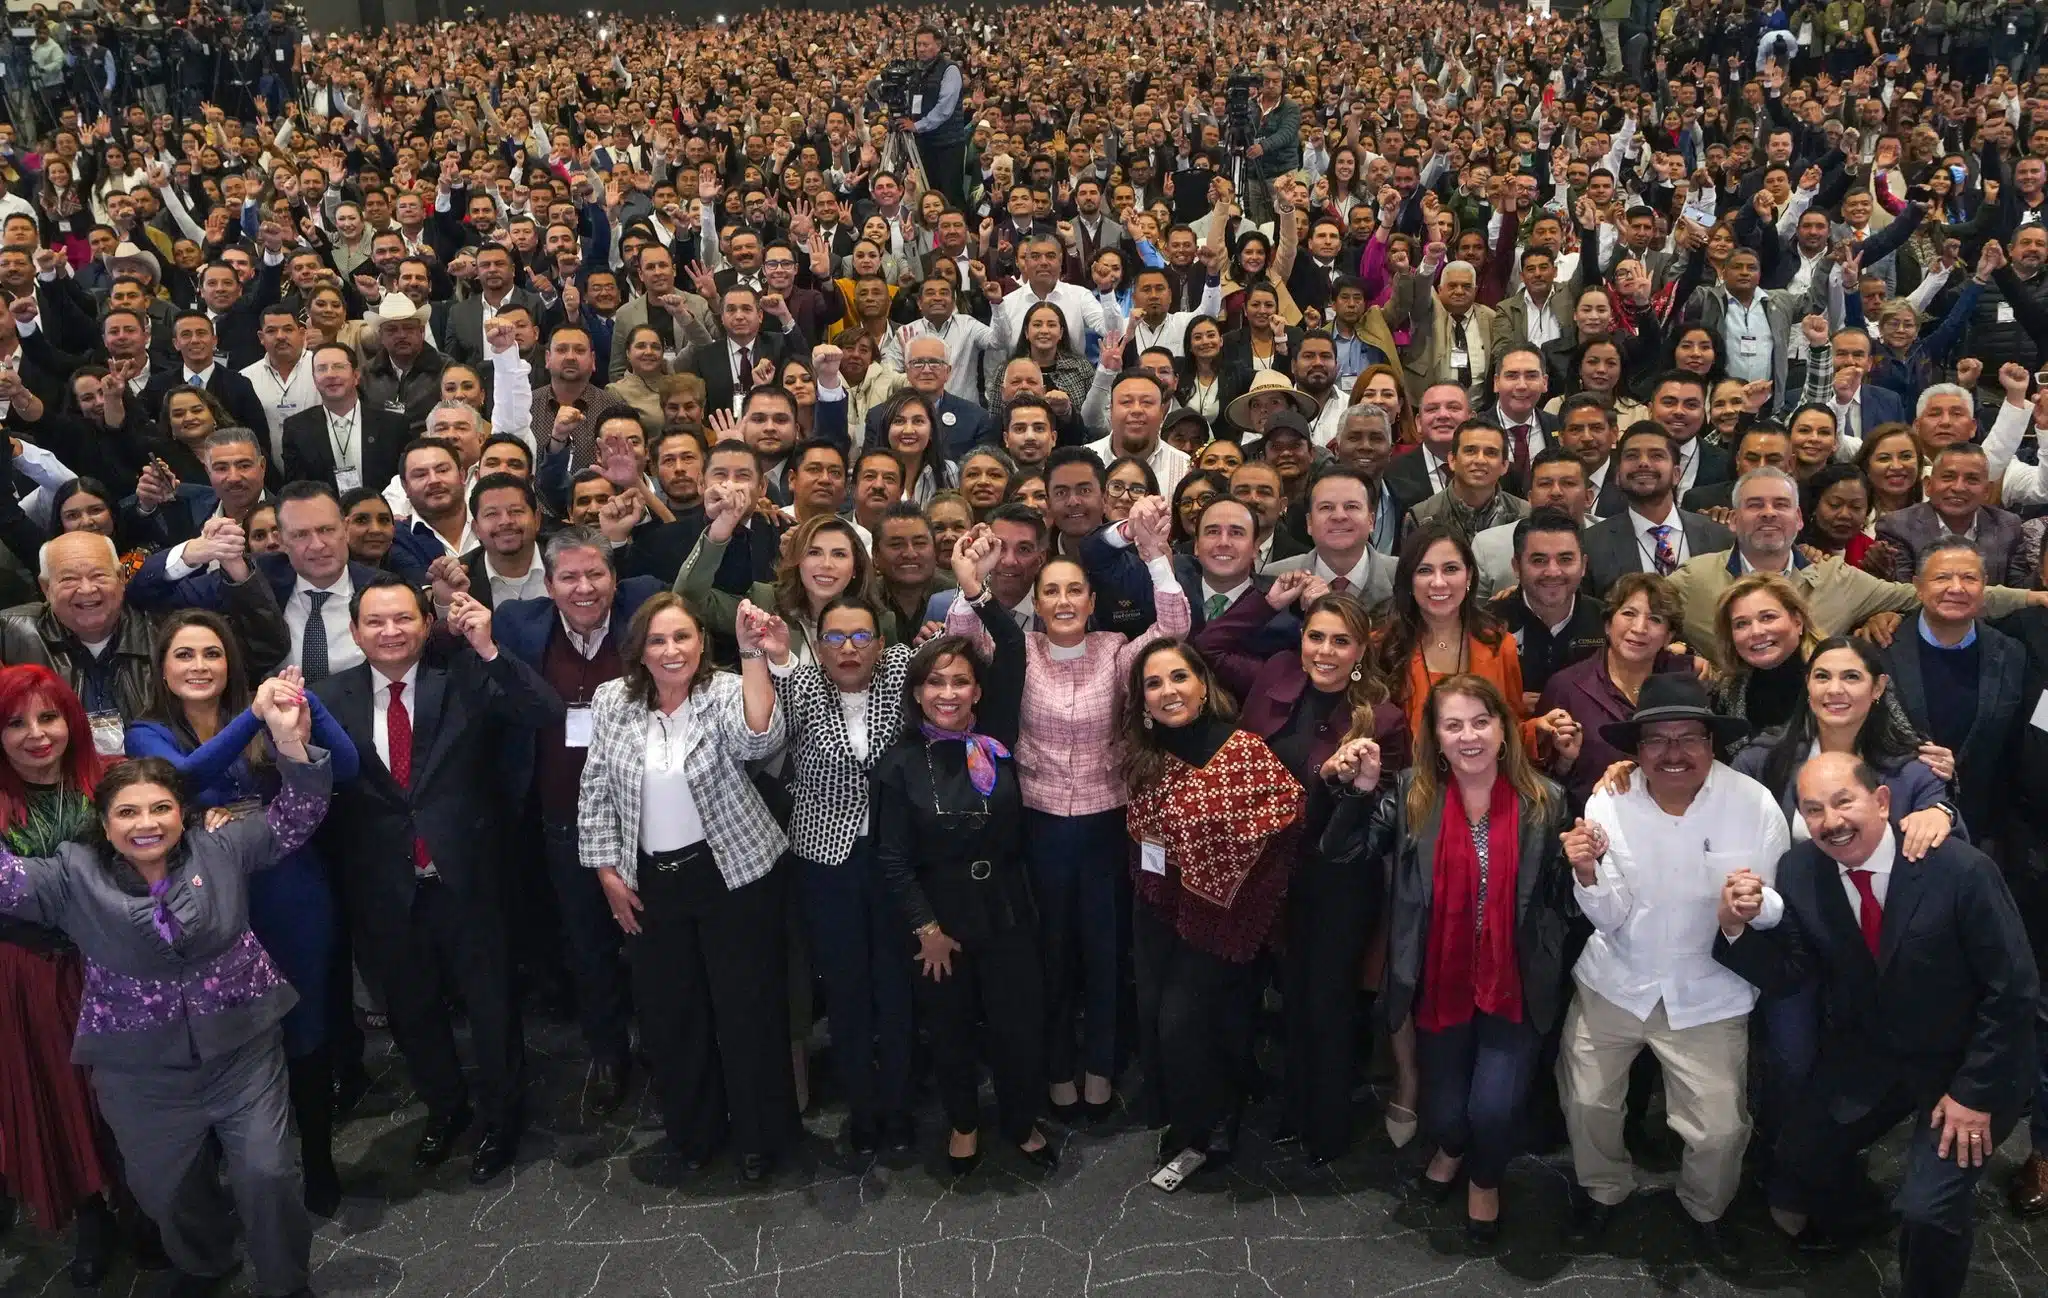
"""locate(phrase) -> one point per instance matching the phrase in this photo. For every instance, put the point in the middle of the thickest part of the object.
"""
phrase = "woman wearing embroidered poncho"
(182, 1006)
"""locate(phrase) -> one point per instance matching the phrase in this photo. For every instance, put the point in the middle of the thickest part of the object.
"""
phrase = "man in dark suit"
(727, 365)
(344, 441)
(1650, 533)
(200, 366)
(1931, 1006)
(422, 891)
(461, 332)
(1961, 682)
(572, 639)
(1758, 446)
(237, 315)
(1863, 405)
(1958, 489)
(1417, 475)
(1519, 383)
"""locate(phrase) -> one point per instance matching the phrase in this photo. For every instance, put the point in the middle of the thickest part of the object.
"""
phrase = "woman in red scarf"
(1476, 938)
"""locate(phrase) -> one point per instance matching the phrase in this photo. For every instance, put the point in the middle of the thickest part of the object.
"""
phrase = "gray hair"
(1948, 545)
(1368, 410)
(451, 403)
(43, 552)
(233, 435)
(574, 537)
(1933, 390)
(1763, 473)
(1465, 266)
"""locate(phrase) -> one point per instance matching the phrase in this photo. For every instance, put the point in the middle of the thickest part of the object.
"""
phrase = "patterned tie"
(1666, 558)
(1870, 914)
(1213, 609)
(398, 737)
(313, 644)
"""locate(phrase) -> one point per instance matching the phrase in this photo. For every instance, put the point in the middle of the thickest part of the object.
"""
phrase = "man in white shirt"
(315, 539)
(283, 379)
(506, 516)
(1648, 870)
(970, 345)
(1137, 406)
(1040, 258)
(1152, 325)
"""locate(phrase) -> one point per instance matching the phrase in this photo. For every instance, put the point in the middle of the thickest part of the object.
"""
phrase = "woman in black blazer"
(1264, 341)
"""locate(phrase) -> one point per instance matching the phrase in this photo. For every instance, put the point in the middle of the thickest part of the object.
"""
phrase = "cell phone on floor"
(1184, 1165)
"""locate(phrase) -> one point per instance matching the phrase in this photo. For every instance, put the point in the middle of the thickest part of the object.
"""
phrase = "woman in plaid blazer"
(686, 853)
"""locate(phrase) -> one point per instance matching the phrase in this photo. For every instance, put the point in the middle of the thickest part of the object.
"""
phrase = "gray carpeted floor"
(586, 1213)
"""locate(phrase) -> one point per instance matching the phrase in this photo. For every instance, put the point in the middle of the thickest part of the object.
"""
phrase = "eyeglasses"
(778, 263)
(840, 639)
(1127, 490)
(925, 363)
(1651, 745)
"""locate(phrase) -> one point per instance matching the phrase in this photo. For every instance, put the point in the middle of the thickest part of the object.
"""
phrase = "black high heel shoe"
(1045, 1158)
(964, 1164)
(1064, 1114)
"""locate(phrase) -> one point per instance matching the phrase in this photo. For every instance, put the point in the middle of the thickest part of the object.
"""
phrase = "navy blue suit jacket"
(523, 629)
(152, 590)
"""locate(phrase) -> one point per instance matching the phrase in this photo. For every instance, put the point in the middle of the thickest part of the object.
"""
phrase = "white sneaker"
(1184, 1165)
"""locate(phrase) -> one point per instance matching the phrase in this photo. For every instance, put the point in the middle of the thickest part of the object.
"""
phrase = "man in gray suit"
(1958, 486)
(1557, 480)
(682, 318)
(461, 330)
(1340, 519)
(1650, 534)
(1769, 336)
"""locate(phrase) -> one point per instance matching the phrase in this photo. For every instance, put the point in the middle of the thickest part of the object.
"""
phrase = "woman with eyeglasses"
(1191, 495)
(1130, 480)
(840, 712)
(1074, 799)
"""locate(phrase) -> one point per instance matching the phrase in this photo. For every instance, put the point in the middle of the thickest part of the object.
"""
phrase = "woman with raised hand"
(181, 1020)
(1074, 796)
(950, 839)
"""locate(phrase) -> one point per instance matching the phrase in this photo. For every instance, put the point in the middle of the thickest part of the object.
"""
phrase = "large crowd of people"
(1022, 535)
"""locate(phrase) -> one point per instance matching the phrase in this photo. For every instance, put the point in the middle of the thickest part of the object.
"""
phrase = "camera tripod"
(900, 155)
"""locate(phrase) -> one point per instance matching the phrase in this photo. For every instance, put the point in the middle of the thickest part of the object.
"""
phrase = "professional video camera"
(893, 87)
(1237, 116)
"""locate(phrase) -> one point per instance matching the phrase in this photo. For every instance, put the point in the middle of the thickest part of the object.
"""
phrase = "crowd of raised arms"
(1030, 531)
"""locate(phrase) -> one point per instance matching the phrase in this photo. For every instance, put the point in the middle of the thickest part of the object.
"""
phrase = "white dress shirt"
(1077, 304)
(531, 584)
(342, 650)
(1169, 464)
(668, 812)
(282, 398)
(1655, 903)
(1646, 544)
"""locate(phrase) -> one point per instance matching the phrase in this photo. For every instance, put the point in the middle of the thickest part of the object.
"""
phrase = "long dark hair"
(1887, 740)
(1401, 638)
(1144, 760)
(164, 707)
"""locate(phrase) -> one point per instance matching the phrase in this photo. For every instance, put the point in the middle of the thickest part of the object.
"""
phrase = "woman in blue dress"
(200, 721)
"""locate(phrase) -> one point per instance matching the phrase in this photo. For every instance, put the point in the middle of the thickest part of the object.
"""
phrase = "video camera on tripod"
(1238, 128)
(895, 84)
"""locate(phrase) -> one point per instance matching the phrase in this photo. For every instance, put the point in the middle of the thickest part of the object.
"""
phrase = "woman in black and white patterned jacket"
(840, 714)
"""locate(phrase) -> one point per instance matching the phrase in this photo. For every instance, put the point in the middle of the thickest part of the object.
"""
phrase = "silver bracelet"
(752, 653)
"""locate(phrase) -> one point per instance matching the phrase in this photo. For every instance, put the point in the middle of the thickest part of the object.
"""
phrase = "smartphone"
(1958, 173)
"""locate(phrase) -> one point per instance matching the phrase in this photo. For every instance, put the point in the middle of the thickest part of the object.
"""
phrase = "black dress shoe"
(1589, 1220)
(862, 1137)
(351, 1084)
(1717, 1248)
(608, 1078)
(323, 1189)
(494, 1153)
(756, 1168)
(1045, 1158)
(437, 1142)
(92, 1244)
(1483, 1233)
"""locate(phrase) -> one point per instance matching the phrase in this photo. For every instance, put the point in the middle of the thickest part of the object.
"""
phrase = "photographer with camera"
(1275, 147)
(934, 115)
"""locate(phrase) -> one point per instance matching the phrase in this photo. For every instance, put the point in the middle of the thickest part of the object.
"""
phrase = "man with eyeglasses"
(970, 345)
(961, 424)
(815, 312)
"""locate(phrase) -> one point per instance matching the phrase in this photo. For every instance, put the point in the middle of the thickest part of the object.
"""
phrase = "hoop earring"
(1148, 721)
(1357, 674)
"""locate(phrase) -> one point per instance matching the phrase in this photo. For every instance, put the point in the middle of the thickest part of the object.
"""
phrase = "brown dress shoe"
(2028, 1193)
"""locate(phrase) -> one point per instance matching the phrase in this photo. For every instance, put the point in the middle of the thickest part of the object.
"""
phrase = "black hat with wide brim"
(1673, 696)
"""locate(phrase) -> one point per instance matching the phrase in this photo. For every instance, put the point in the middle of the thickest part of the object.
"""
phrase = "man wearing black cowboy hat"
(1649, 864)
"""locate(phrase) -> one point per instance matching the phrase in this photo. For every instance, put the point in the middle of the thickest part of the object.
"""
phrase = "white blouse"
(668, 814)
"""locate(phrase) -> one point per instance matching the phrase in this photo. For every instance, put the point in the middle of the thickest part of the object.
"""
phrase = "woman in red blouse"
(1214, 821)
(1476, 939)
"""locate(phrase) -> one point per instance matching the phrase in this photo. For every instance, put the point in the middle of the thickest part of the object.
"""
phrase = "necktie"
(1213, 609)
(1519, 444)
(1338, 585)
(1870, 913)
(745, 381)
(313, 643)
(1666, 557)
(398, 737)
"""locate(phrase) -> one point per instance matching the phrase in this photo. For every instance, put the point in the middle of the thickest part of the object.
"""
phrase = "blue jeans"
(1475, 1078)
(862, 948)
(1080, 878)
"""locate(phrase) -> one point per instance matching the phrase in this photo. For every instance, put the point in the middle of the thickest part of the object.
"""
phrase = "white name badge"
(917, 105)
(576, 728)
(347, 480)
(1152, 857)
(1750, 345)
(2040, 718)
(108, 734)
(1460, 359)
(2004, 313)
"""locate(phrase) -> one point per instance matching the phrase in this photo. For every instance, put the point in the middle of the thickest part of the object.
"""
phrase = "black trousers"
(996, 980)
(711, 980)
(1330, 910)
(1815, 1169)
(450, 943)
(1194, 1028)
(593, 943)
(945, 169)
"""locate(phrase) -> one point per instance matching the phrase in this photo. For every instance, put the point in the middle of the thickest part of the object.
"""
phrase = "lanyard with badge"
(347, 477)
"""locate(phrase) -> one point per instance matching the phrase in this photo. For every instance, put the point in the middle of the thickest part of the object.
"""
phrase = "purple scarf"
(982, 753)
(165, 922)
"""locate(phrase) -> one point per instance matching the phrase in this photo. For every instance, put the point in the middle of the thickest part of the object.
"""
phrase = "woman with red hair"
(49, 1128)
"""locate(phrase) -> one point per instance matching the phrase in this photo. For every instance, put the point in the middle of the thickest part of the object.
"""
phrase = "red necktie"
(398, 737)
(1870, 913)
(1338, 585)
(1520, 445)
